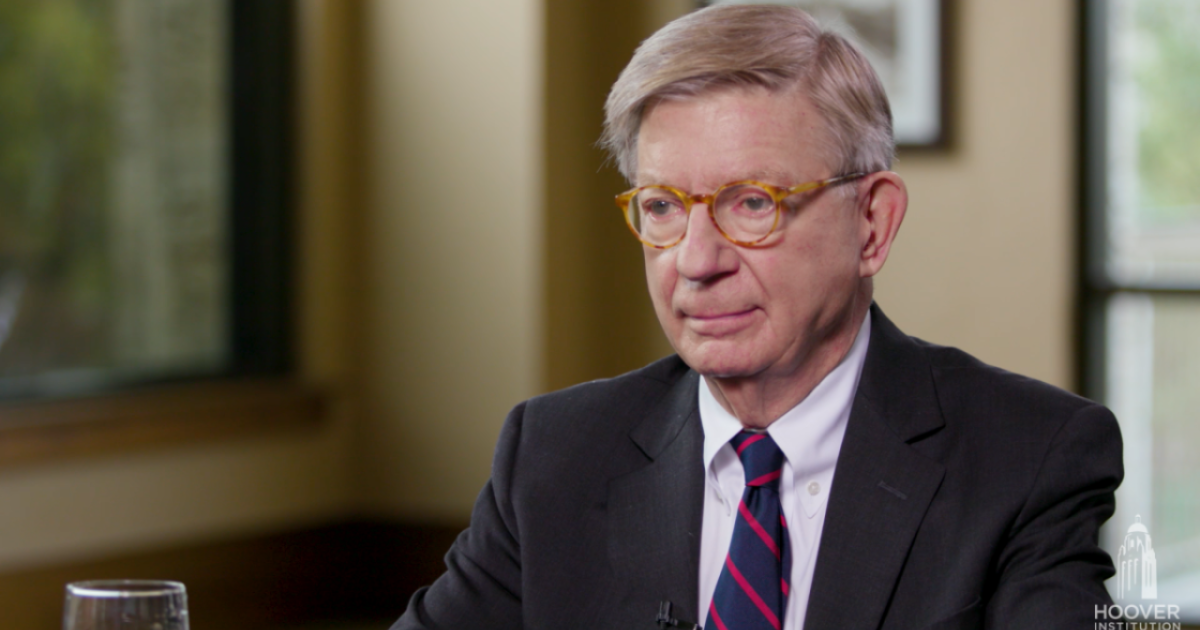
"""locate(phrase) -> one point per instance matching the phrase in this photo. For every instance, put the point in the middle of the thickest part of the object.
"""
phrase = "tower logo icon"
(1137, 571)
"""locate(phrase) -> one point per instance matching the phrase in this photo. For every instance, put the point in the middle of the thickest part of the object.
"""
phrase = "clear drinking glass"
(125, 605)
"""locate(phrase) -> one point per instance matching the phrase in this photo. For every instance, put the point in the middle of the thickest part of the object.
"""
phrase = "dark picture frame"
(907, 42)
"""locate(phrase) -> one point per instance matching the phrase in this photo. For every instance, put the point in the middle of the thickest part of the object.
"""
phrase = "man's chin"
(720, 365)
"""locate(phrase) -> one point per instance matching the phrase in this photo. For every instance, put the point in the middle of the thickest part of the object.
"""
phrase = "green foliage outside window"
(1167, 75)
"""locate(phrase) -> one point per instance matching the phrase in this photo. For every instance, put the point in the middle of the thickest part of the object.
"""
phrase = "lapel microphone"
(665, 620)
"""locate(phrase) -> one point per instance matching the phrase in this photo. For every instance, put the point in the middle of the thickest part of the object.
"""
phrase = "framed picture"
(905, 42)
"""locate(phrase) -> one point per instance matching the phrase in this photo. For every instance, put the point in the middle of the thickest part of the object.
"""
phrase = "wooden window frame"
(258, 392)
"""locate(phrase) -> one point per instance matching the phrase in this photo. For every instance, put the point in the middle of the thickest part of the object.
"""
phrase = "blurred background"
(273, 273)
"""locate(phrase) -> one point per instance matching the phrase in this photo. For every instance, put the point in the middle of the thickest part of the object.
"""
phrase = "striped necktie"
(752, 590)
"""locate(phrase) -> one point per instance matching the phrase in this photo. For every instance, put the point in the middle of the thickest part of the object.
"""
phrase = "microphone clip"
(665, 620)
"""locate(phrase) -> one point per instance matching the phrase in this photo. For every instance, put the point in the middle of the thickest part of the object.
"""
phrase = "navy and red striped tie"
(752, 590)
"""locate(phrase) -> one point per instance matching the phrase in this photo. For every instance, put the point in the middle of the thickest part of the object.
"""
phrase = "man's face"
(732, 311)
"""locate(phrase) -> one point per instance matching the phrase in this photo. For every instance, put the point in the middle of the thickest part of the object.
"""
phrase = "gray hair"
(776, 47)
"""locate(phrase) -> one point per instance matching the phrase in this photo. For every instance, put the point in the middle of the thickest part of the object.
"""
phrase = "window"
(1141, 270)
(143, 192)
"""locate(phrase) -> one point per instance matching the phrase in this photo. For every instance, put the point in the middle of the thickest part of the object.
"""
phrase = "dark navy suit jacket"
(964, 497)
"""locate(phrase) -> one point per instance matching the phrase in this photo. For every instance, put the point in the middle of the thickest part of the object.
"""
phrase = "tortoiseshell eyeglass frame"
(778, 193)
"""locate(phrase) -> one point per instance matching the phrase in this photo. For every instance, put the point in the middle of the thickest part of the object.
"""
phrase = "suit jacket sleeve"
(590, 516)
(482, 584)
(996, 487)
(1051, 572)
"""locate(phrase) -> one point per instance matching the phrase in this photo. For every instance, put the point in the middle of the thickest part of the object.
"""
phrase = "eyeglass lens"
(743, 212)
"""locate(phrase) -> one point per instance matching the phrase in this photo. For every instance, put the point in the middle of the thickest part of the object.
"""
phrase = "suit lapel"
(881, 490)
(655, 512)
(881, 487)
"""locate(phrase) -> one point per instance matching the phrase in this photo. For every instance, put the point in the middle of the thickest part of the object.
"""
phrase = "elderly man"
(800, 462)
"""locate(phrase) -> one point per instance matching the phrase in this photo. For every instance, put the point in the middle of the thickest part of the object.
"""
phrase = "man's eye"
(659, 207)
(756, 203)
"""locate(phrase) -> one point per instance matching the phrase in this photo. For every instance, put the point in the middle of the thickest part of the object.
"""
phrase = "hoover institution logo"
(1137, 572)
(1137, 579)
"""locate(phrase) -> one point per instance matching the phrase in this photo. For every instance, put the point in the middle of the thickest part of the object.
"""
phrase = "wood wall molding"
(150, 418)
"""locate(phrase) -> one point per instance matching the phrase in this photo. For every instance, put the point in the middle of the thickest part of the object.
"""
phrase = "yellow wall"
(985, 258)
(462, 254)
(599, 321)
(452, 242)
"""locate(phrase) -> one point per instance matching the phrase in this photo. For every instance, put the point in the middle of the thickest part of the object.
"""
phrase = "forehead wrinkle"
(766, 176)
(772, 176)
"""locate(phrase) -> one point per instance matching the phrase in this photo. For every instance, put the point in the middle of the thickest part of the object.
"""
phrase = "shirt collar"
(809, 434)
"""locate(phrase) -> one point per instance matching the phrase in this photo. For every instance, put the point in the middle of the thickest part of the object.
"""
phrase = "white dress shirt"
(810, 436)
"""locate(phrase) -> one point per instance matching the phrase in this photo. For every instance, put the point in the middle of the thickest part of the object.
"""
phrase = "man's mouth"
(717, 323)
(716, 315)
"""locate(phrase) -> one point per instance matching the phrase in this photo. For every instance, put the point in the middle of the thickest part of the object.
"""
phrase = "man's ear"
(882, 208)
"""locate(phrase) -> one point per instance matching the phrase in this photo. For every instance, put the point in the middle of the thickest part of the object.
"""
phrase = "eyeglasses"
(745, 212)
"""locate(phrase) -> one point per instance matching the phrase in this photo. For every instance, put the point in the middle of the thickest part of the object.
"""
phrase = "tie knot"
(761, 458)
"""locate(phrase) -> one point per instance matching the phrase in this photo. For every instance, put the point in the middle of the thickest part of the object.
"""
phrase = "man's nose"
(704, 252)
